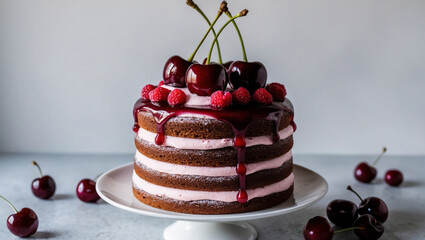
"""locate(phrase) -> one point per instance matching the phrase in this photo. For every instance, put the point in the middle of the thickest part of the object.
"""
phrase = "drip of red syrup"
(159, 139)
(238, 118)
(136, 128)
(239, 144)
(242, 196)
(294, 126)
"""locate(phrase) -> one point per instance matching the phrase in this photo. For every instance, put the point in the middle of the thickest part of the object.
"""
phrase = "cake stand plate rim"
(114, 187)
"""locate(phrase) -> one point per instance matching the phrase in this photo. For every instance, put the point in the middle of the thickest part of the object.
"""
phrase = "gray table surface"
(65, 217)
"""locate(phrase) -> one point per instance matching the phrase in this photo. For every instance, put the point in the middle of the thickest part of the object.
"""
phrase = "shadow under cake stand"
(115, 188)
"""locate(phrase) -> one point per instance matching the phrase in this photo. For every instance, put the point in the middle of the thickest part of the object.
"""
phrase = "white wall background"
(70, 71)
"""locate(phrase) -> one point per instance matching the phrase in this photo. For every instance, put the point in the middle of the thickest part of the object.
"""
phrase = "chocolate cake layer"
(213, 207)
(213, 158)
(206, 128)
(207, 183)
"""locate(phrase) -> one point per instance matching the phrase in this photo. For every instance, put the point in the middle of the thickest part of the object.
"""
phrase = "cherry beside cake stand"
(115, 188)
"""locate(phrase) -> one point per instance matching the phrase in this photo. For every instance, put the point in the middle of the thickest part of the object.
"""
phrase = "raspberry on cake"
(159, 94)
(176, 97)
(241, 96)
(262, 96)
(277, 90)
(221, 99)
(146, 90)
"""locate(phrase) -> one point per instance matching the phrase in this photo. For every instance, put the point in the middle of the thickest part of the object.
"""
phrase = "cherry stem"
(16, 211)
(241, 14)
(240, 36)
(384, 149)
(347, 229)
(350, 189)
(39, 169)
(195, 6)
(223, 6)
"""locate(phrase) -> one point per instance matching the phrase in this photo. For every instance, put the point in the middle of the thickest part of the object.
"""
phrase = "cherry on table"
(342, 213)
(366, 173)
(393, 177)
(43, 187)
(22, 223)
(318, 228)
(368, 228)
(373, 206)
(86, 190)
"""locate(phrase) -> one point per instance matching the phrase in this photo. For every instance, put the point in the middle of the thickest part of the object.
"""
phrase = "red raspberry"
(159, 94)
(146, 90)
(176, 97)
(277, 90)
(241, 96)
(221, 99)
(161, 83)
(262, 96)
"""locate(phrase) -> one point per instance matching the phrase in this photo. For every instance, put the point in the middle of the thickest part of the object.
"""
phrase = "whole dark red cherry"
(318, 228)
(373, 206)
(204, 80)
(43, 187)
(368, 228)
(23, 223)
(250, 75)
(342, 213)
(364, 172)
(175, 71)
(393, 177)
(86, 190)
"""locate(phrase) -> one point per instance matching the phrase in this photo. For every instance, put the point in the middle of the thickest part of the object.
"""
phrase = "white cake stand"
(114, 187)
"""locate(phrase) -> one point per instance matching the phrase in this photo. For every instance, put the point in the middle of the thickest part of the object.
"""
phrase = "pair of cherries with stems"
(44, 187)
(365, 172)
(175, 68)
(227, 12)
(373, 213)
(204, 79)
(250, 75)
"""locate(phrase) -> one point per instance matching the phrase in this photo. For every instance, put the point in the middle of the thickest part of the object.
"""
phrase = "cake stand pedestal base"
(184, 230)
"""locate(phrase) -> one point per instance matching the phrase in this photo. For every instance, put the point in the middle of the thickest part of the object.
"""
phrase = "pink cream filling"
(205, 144)
(208, 171)
(224, 196)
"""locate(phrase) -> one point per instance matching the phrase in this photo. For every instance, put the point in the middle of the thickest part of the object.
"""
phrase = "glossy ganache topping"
(238, 116)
